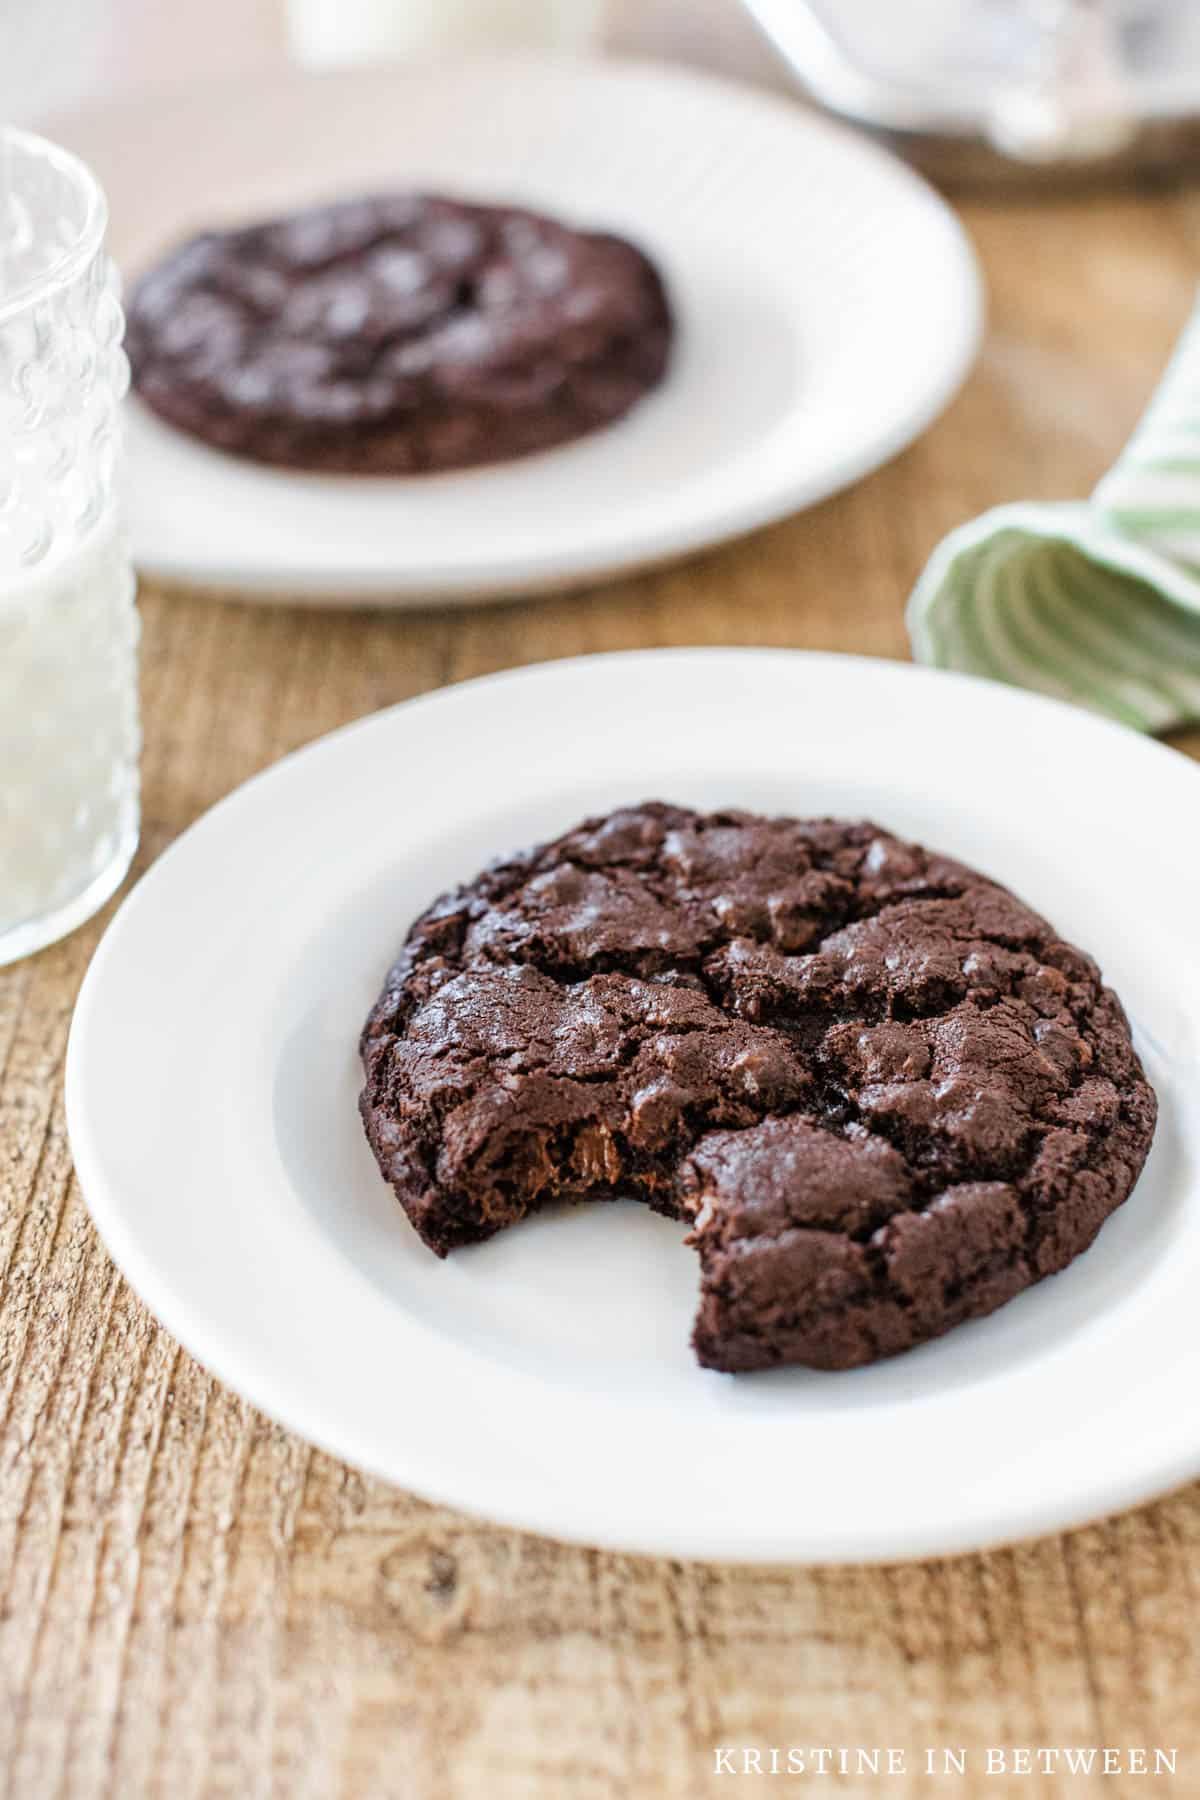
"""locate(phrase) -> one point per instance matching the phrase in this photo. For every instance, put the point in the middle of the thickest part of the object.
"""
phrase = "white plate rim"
(1162, 1465)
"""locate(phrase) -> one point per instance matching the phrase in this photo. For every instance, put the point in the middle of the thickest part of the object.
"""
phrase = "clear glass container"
(69, 736)
(1008, 89)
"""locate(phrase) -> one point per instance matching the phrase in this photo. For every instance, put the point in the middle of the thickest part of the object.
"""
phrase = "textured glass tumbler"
(69, 736)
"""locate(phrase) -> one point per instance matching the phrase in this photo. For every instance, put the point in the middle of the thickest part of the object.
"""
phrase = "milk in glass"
(68, 626)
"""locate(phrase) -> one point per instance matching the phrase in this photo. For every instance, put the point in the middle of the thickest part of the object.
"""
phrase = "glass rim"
(75, 257)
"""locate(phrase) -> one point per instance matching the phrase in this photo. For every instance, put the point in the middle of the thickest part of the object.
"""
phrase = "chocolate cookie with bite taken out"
(884, 1093)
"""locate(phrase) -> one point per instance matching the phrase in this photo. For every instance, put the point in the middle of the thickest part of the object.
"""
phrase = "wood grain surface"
(193, 1603)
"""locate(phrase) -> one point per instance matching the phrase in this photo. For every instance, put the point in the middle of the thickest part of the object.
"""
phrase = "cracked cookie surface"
(886, 1095)
(396, 334)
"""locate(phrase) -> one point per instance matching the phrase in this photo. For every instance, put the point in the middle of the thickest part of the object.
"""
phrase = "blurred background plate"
(828, 306)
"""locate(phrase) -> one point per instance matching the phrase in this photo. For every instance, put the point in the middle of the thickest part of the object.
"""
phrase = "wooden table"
(196, 1604)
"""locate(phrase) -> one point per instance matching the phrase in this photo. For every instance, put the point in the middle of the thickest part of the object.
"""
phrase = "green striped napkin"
(1093, 601)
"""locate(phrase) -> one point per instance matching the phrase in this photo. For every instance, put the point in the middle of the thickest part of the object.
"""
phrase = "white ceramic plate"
(828, 306)
(545, 1378)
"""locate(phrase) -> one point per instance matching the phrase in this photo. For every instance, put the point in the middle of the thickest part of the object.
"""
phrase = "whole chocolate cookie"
(396, 334)
(886, 1094)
